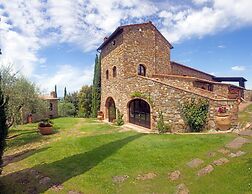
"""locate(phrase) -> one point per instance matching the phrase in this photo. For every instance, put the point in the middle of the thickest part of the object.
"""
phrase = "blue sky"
(54, 42)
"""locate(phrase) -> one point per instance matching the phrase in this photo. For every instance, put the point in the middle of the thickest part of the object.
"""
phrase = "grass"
(246, 115)
(84, 155)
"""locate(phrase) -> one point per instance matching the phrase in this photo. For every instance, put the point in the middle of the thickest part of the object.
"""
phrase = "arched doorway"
(139, 113)
(111, 109)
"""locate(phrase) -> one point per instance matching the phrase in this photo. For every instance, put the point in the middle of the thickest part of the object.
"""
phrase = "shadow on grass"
(23, 140)
(21, 134)
(62, 170)
(21, 155)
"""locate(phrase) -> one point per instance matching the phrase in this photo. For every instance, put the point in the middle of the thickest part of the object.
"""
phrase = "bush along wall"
(195, 113)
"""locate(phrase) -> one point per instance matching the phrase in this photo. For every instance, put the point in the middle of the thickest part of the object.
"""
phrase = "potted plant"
(222, 119)
(45, 127)
(100, 115)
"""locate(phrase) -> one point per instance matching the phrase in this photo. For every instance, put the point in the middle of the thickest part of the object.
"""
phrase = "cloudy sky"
(54, 42)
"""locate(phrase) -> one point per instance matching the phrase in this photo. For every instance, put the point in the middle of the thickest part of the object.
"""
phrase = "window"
(114, 71)
(51, 107)
(141, 70)
(114, 42)
(107, 74)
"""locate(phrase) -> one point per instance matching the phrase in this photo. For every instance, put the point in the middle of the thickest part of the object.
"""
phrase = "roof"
(175, 63)
(48, 98)
(120, 30)
(195, 79)
(231, 79)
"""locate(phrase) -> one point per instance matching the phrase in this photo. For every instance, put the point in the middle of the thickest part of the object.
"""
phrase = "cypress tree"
(55, 90)
(96, 89)
(65, 92)
(3, 125)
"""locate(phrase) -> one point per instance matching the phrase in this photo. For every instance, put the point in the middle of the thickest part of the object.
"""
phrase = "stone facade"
(179, 69)
(52, 112)
(164, 87)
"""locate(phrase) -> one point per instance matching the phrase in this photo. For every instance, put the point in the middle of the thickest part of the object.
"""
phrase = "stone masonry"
(162, 87)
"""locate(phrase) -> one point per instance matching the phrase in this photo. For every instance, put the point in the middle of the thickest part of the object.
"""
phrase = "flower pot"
(46, 130)
(223, 122)
(100, 115)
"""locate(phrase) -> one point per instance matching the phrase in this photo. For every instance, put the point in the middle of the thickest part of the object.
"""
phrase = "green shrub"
(119, 118)
(66, 109)
(195, 114)
(142, 95)
(162, 127)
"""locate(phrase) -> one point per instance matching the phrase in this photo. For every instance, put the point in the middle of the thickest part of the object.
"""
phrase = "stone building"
(52, 101)
(52, 112)
(139, 79)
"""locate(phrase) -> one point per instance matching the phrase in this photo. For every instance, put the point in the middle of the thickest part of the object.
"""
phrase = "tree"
(3, 126)
(65, 92)
(85, 101)
(96, 89)
(66, 109)
(55, 90)
(21, 93)
(73, 98)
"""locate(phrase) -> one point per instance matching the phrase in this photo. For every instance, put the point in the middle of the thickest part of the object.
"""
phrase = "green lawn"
(84, 155)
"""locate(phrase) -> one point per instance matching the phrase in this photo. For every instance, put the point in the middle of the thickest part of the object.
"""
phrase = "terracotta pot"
(45, 130)
(223, 122)
(29, 119)
(100, 115)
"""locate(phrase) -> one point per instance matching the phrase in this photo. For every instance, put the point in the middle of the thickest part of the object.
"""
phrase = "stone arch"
(141, 70)
(107, 74)
(139, 112)
(110, 109)
(114, 71)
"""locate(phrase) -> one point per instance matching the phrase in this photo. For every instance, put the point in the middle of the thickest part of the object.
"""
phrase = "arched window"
(114, 71)
(51, 106)
(141, 70)
(107, 74)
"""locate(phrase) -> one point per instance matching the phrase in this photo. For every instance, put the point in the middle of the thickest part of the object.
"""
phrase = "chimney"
(53, 94)
(105, 38)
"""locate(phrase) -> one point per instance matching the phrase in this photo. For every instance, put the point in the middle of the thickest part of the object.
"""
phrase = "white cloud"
(66, 76)
(19, 34)
(28, 26)
(42, 60)
(221, 46)
(222, 14)
(238, 68)
(200, 2)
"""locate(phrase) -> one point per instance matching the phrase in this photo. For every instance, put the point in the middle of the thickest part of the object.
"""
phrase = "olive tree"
(22, 94)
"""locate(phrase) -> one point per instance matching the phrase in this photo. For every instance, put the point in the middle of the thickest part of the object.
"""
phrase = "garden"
(77, 153)
(89, 156)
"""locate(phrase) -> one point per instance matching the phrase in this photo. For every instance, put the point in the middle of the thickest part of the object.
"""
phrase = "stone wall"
(165, 98)
(248, 95)
(54, 112)
(162, 55)
(176, 81)
(190, 83)
(221, 89)
(140, 44)
(178, 69)
(113, 44)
